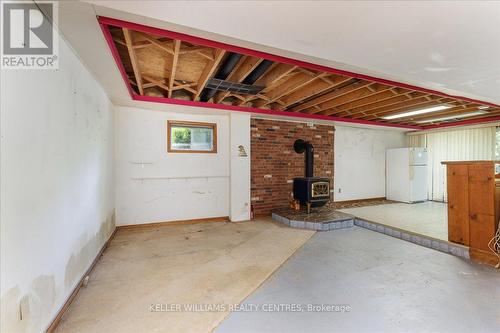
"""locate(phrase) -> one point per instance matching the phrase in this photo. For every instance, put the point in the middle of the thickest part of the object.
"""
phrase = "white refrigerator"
(406, 174)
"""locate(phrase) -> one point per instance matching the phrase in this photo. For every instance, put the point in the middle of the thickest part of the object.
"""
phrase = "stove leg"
(308, 207)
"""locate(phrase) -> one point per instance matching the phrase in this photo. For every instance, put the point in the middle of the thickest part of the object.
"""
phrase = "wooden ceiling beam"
(148, 85)
(255, 97)
(156, 82)
(377, 97)
(366, 110)
(173, 66)
(274, 75)
(314, 88)
(400, 108)
(209, 69)
(491, 113)
(201, 50)
(136, 45)
(167, 47)
(193, 49)
(366, 91)
(306, 107)
(458, 110)
(407, 106)
(133, 60)
(289, 86)
(144, 84)
(186, 86)
(243, 69)
(120, 41)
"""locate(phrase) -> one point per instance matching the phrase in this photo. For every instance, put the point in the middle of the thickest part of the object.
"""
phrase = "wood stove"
(309, 190)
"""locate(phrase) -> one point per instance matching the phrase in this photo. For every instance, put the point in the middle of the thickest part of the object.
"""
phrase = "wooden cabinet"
(473, 203)
(458, 203)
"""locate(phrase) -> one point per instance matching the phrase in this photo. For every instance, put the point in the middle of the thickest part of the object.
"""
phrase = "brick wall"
(274, 162)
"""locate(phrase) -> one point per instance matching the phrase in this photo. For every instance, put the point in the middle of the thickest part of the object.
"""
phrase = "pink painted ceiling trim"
(105, 22)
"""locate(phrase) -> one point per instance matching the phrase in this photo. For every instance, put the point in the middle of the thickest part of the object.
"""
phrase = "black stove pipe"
(300, 146)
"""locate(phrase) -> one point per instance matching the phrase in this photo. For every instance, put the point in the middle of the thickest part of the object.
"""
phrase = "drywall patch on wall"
(360, 161)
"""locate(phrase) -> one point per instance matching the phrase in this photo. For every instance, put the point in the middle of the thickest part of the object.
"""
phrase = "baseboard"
(360, 200)
(484, 257)
(173, 223)
(256, 216)
(53, 325)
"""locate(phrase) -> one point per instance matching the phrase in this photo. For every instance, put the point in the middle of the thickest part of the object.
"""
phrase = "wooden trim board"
(484, 257)
(360, 200)
(57, 319)
(173, 223)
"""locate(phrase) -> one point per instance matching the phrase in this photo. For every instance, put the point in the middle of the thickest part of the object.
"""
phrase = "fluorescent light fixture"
(483, 107)
(417, 112)
(456, 116)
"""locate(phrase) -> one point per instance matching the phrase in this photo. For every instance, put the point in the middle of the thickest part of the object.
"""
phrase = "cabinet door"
(482, 230)
(458, 204)
(481, 205)
(482, 189)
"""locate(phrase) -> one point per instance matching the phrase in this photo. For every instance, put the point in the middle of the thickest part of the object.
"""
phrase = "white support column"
(240, 167)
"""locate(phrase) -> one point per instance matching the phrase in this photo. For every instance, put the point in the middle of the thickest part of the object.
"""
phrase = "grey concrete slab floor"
(390, 285)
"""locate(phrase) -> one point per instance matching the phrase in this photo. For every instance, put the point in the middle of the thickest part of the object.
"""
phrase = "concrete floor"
(427, 218)
(391, 286)
(143, 271)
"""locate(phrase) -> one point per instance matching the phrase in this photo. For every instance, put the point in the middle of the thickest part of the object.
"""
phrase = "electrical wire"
(494, 245)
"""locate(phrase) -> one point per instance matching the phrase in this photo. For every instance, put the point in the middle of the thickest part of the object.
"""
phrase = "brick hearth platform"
(320, 219)
(326, 219)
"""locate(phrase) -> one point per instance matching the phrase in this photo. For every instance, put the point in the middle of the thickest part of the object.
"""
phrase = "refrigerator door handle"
(412, 173)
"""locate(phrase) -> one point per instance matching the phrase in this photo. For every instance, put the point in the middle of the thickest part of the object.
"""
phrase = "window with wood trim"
(191, 137)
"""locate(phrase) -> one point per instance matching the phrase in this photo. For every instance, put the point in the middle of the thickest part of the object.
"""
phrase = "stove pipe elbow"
(301, 146)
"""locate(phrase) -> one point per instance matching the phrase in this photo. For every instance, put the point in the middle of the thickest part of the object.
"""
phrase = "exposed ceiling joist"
(133, 60)
(209, 69)
(173, 66)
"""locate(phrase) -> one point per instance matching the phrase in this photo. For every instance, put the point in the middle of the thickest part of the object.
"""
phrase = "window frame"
(180, 123)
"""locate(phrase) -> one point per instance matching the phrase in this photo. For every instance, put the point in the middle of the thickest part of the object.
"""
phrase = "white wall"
(155, 186)
(359, 164)
(57, 187)
(240, 167)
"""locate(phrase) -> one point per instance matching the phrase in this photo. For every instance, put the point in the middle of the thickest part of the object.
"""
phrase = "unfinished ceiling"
(164, 66)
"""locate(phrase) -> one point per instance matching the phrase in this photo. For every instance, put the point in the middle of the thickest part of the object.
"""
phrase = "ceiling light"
(457, 116)
(417, 112)
(483, 107)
